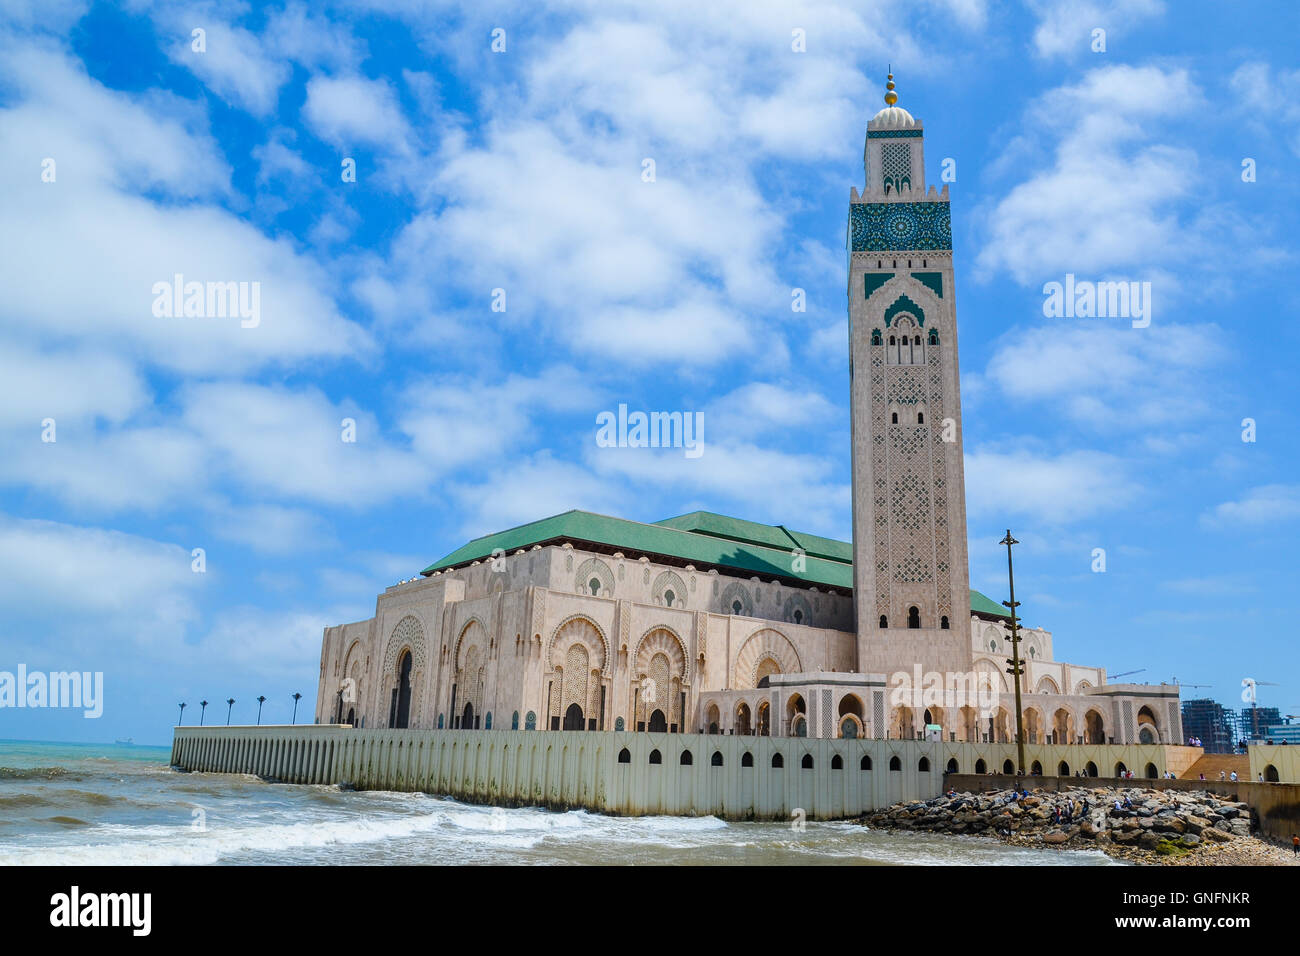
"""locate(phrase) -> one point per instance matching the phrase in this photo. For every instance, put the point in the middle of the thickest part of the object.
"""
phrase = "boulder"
(1055, 836)
(1215, 835)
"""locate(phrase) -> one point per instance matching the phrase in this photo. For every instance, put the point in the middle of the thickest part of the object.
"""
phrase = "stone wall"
(581, 769)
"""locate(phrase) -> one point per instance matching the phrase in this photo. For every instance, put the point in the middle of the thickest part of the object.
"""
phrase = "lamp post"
(260, 701)
(181, 718)
(230, 705)
(296, 698)
(1017, 668)
(203, 709)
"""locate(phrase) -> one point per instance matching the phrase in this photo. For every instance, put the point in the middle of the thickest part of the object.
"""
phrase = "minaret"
(910, 576)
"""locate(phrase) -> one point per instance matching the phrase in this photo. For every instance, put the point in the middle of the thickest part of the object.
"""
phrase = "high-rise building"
(1211, 723)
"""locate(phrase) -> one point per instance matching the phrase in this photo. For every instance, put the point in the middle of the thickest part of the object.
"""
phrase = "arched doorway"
(658, 722)
(1270, 774)
(1095, 728)
(467, 718)
(1148, 731)
(573, 718)
(742, 719)
(352, 716)
(403, 717)
(764, 719)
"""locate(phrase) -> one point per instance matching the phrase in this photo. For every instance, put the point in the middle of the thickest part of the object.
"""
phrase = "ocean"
(78, 804)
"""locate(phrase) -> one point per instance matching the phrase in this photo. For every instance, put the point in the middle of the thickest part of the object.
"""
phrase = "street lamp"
(260, 701)
(230, 705)
(203, 709)
(181, 718)
(1017, 668)
(296, 698)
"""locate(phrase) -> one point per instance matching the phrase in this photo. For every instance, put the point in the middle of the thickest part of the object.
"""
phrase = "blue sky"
(522, 170)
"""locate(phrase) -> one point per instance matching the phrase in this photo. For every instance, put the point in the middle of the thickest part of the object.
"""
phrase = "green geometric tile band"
(899, 226)
(874, 280)
(891, 133)
(932, 279)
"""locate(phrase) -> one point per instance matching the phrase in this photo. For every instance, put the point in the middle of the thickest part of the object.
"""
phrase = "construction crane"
(1126, 673)
(1174, 680)
(1248, 697)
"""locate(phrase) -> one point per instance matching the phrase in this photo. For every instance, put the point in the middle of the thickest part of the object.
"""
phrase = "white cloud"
(91, 250)
(354, 110)
(1055, 490)
(1065, 26)
(105, 585)
(1110, 377)
(234, 64)
(1108, 200)
(1263, 505)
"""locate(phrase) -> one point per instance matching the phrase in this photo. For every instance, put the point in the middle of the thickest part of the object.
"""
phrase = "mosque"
(710, 624)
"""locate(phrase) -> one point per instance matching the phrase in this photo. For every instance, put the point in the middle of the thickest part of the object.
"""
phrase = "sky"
(471, 228)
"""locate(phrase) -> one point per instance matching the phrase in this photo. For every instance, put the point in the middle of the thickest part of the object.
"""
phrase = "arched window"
(1008, 766)
(837, 762)
(875, 337)
(865, 763)
(934, 337)
(594, 585)
(981, 766)
(895, 763)
(892, 341)
(798, 615)
(884, 621)
(1270, 774)
(668, 598)
(736, 607)
(943, 622)
(624, 756)
(807, 762)
(514, 721)
(656, 757)
(1036, 769)
(913, 616)
(1120, 769)
(778, 762)
(952, 765)
(716, 760)
(893, 418)
(747, 759)
(1063, 770)
(687, 759)
(1091, 769)
(923, 765)
(920, 418)
(1152, 772)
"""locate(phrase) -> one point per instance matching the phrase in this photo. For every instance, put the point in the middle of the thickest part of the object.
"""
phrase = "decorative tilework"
(934, 280)
(894, 133)
(904, 304)
(899, 226)
(874, 280)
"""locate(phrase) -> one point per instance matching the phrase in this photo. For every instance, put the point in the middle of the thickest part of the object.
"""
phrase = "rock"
(1215, 835)
(1055, 836)
(1196, 824)
(1150, 840)
(1170, 824)
(1191, 839)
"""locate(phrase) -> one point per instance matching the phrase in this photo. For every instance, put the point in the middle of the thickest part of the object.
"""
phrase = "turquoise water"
(122, 805)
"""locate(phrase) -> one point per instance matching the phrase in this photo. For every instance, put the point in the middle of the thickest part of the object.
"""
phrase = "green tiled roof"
(701, 538)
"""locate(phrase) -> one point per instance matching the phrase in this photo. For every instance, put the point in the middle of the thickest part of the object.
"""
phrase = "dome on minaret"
(892, 116)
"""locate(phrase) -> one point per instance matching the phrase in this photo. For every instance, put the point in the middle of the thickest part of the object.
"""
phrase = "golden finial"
(890, 97)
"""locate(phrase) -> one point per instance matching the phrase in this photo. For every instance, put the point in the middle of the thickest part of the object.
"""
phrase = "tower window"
(891, 340)
(668, 598)
(893, 418)
(920, 418)
(916, 340)
(913, 616)
(736, 607)
(884, 621)
(943, 622)
(594, 584)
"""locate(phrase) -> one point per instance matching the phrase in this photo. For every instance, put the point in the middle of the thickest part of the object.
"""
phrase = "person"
(1233, 776)
(1202, 776)
(1295, 844)
(1221, 776)
(1128, 804)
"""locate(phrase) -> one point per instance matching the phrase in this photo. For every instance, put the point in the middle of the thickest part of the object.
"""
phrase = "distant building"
(1283, 733)
(1211, 723)
(1253, 722)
